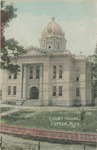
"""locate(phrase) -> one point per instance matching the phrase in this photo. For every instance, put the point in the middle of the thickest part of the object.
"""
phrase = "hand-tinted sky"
(77, 18)
(69, 10)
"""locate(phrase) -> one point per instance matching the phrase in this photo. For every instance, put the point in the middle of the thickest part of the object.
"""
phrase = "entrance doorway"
(34, 93)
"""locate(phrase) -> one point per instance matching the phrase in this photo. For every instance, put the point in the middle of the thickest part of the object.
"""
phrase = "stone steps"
(13, 102)
(30, 102)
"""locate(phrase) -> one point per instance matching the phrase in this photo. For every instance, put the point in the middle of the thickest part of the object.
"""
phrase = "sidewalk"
(41, 109)
(15, 109)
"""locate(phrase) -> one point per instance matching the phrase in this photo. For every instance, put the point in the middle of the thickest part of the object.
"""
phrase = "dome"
(52, 37)
(52, 29)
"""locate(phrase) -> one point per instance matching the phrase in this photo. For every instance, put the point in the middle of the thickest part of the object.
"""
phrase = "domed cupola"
(52, 29)
(52, 37)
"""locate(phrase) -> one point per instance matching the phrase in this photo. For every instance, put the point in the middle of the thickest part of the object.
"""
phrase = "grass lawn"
(14, 143)
(4, 109)
(66, 120)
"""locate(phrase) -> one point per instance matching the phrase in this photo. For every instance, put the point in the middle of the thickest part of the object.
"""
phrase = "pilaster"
(24, 81)
(41, 84)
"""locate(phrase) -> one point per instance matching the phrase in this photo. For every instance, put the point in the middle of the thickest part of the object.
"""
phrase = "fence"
(72, 136)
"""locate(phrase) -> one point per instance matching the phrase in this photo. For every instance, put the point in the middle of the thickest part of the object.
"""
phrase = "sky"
(78, 18)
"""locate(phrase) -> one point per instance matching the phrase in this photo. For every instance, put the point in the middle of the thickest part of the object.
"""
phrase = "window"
(54, 90)
(9, 76)
(77, 78)
(58, 46)
(44, 42)
(31, 73)
(60, 72)
(77, 92)
(15, 75)
(77, 70)
(49, 47)
(9, 90)
(54, 72)
(14, 90)
(37, 72)
(60, 90)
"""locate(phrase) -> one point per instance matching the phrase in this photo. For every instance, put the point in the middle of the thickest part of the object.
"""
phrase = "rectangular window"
(31, 73)
(54, 90)
(9, 75)
(58, 46)
(15, 75)
(60, 90)
(77, 78)
(77, 70)
(14, 90)
(9, 90)
(54, 72)
(37, 72)
(60, 72)
(77, 92)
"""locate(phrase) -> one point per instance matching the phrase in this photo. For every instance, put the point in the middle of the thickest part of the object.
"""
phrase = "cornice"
(39, 49)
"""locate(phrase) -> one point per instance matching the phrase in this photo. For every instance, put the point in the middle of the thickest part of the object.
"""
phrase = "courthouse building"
(51, 74)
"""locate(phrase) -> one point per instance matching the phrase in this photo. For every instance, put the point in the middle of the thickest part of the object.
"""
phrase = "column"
(41, 84)
(46, 83)
(24, 81)
(12, 75)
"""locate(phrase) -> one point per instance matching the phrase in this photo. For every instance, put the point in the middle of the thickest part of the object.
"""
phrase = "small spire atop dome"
(53, 18)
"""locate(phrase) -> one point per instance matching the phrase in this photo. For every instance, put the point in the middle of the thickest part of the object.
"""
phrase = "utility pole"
(84, 147)
(1, 143)
(82, 115)
(96, 145)
(39, 145)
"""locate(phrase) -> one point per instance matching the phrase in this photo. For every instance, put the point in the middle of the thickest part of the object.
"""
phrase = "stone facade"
(50, 75)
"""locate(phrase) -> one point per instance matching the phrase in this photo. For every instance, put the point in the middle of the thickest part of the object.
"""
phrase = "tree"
(93, 59)
(94, 71)
(9, 47)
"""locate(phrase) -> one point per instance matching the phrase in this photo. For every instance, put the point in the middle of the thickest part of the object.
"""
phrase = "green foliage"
(14, 46)
(94, 74)
(4, 109)
(7, 14)
(9, 47)
(12, 68)
(93, 59)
